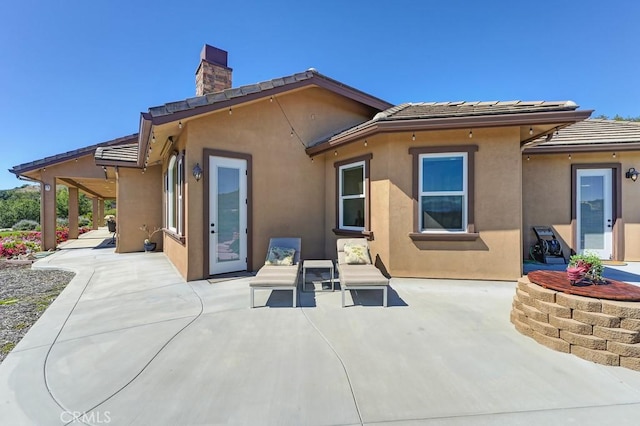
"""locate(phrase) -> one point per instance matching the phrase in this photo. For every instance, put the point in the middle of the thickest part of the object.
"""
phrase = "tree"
(85, 206)
(617, 117)
(19, 203)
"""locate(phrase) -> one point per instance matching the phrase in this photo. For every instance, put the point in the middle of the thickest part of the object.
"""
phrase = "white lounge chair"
(278, 277)
(359, 276)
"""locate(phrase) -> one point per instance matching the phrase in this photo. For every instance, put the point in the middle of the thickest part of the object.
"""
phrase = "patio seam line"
(112, 331)
(505, 413)
(46, 358)
(84, 412)
(177, 283)
(344, 367)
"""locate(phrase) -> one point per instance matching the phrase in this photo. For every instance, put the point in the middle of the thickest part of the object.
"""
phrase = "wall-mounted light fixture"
(632, 174)
(197, 172)
(470, 134)
(179, 124)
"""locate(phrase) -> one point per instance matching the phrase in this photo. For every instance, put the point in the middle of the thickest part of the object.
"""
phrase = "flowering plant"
(587, 264)
(22, 243)
(110, 218)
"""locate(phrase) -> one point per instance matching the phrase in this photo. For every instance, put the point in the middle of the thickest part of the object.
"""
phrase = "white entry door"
(227, 215)
(594, 212)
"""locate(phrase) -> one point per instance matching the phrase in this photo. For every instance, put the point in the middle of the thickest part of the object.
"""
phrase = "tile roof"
(439, 110)
(426, 110)
(596, 132)
(69, 155)
(122, 153)
(256, 89)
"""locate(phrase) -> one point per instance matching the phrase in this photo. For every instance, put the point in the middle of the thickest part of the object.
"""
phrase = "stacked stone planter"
(603, 331)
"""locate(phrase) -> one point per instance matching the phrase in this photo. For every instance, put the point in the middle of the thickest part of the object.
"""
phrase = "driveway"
(129, 342)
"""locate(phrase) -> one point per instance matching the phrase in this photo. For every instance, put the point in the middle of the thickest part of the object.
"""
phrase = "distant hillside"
(27, 188)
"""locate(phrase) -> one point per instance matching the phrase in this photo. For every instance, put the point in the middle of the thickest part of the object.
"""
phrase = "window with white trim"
(174, 193)
(443, 193)
(352, 196)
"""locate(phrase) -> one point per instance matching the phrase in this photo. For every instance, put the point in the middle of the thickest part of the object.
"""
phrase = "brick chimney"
(212, 74)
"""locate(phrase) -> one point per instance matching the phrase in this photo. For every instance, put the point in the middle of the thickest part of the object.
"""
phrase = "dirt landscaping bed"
(25, 294)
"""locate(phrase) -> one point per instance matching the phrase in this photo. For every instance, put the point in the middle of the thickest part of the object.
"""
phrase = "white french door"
(227, 215)
(594, 212)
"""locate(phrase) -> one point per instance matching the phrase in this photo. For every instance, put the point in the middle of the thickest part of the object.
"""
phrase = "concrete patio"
(129, 342)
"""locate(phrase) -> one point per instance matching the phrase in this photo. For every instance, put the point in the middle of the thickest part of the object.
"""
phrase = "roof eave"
(147, 121)
(144, 134)
(316, 80)
(117, 163)
(565, 149)
(449, 123)
(20, 169)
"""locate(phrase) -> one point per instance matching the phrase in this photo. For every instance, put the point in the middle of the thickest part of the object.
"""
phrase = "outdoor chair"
(281, 269)
(356, 270)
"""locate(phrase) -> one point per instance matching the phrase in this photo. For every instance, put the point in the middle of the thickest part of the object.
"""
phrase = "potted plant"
(585, 266)
(148, 245)
(111, 222)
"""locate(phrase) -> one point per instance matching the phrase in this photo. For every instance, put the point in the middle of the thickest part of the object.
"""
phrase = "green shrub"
(26, 225)
(110, 212)
(591, 264)
(61, 221)
(84, 221)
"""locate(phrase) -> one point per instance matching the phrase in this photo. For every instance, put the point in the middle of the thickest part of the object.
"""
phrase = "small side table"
(317, 264)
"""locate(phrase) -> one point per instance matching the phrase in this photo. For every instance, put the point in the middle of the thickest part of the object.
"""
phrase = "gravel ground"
(25, 293)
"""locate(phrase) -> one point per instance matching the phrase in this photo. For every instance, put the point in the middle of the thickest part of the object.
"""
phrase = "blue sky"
(75, 73)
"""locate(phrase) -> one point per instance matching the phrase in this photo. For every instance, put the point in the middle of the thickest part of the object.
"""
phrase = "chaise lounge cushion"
(354, 275)
(271, 276)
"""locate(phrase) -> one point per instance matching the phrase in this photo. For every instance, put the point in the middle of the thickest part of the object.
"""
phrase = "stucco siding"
(498, 215)
(547, 198)
(287, 186)
(139, 201)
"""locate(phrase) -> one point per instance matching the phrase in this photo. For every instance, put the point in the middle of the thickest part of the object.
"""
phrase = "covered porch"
(80, 172)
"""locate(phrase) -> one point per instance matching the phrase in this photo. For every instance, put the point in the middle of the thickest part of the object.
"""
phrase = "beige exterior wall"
(494, 255)
(547, 198)
(288, 187)
(139, 201)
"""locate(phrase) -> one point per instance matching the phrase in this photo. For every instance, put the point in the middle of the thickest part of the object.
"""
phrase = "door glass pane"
(353, 212)
(352, 181)
(228, 214)
(442, 174)
(592, 212)
(442, 213)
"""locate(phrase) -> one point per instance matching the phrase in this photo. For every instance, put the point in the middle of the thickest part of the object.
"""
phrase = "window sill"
(355, 234)
(179, 238)
(444, 236)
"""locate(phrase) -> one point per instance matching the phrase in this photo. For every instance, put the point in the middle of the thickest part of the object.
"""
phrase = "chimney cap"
(214, 55)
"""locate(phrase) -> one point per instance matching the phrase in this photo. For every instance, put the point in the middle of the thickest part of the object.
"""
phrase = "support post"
(73, 213)
(95, 214)
(48, 213)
